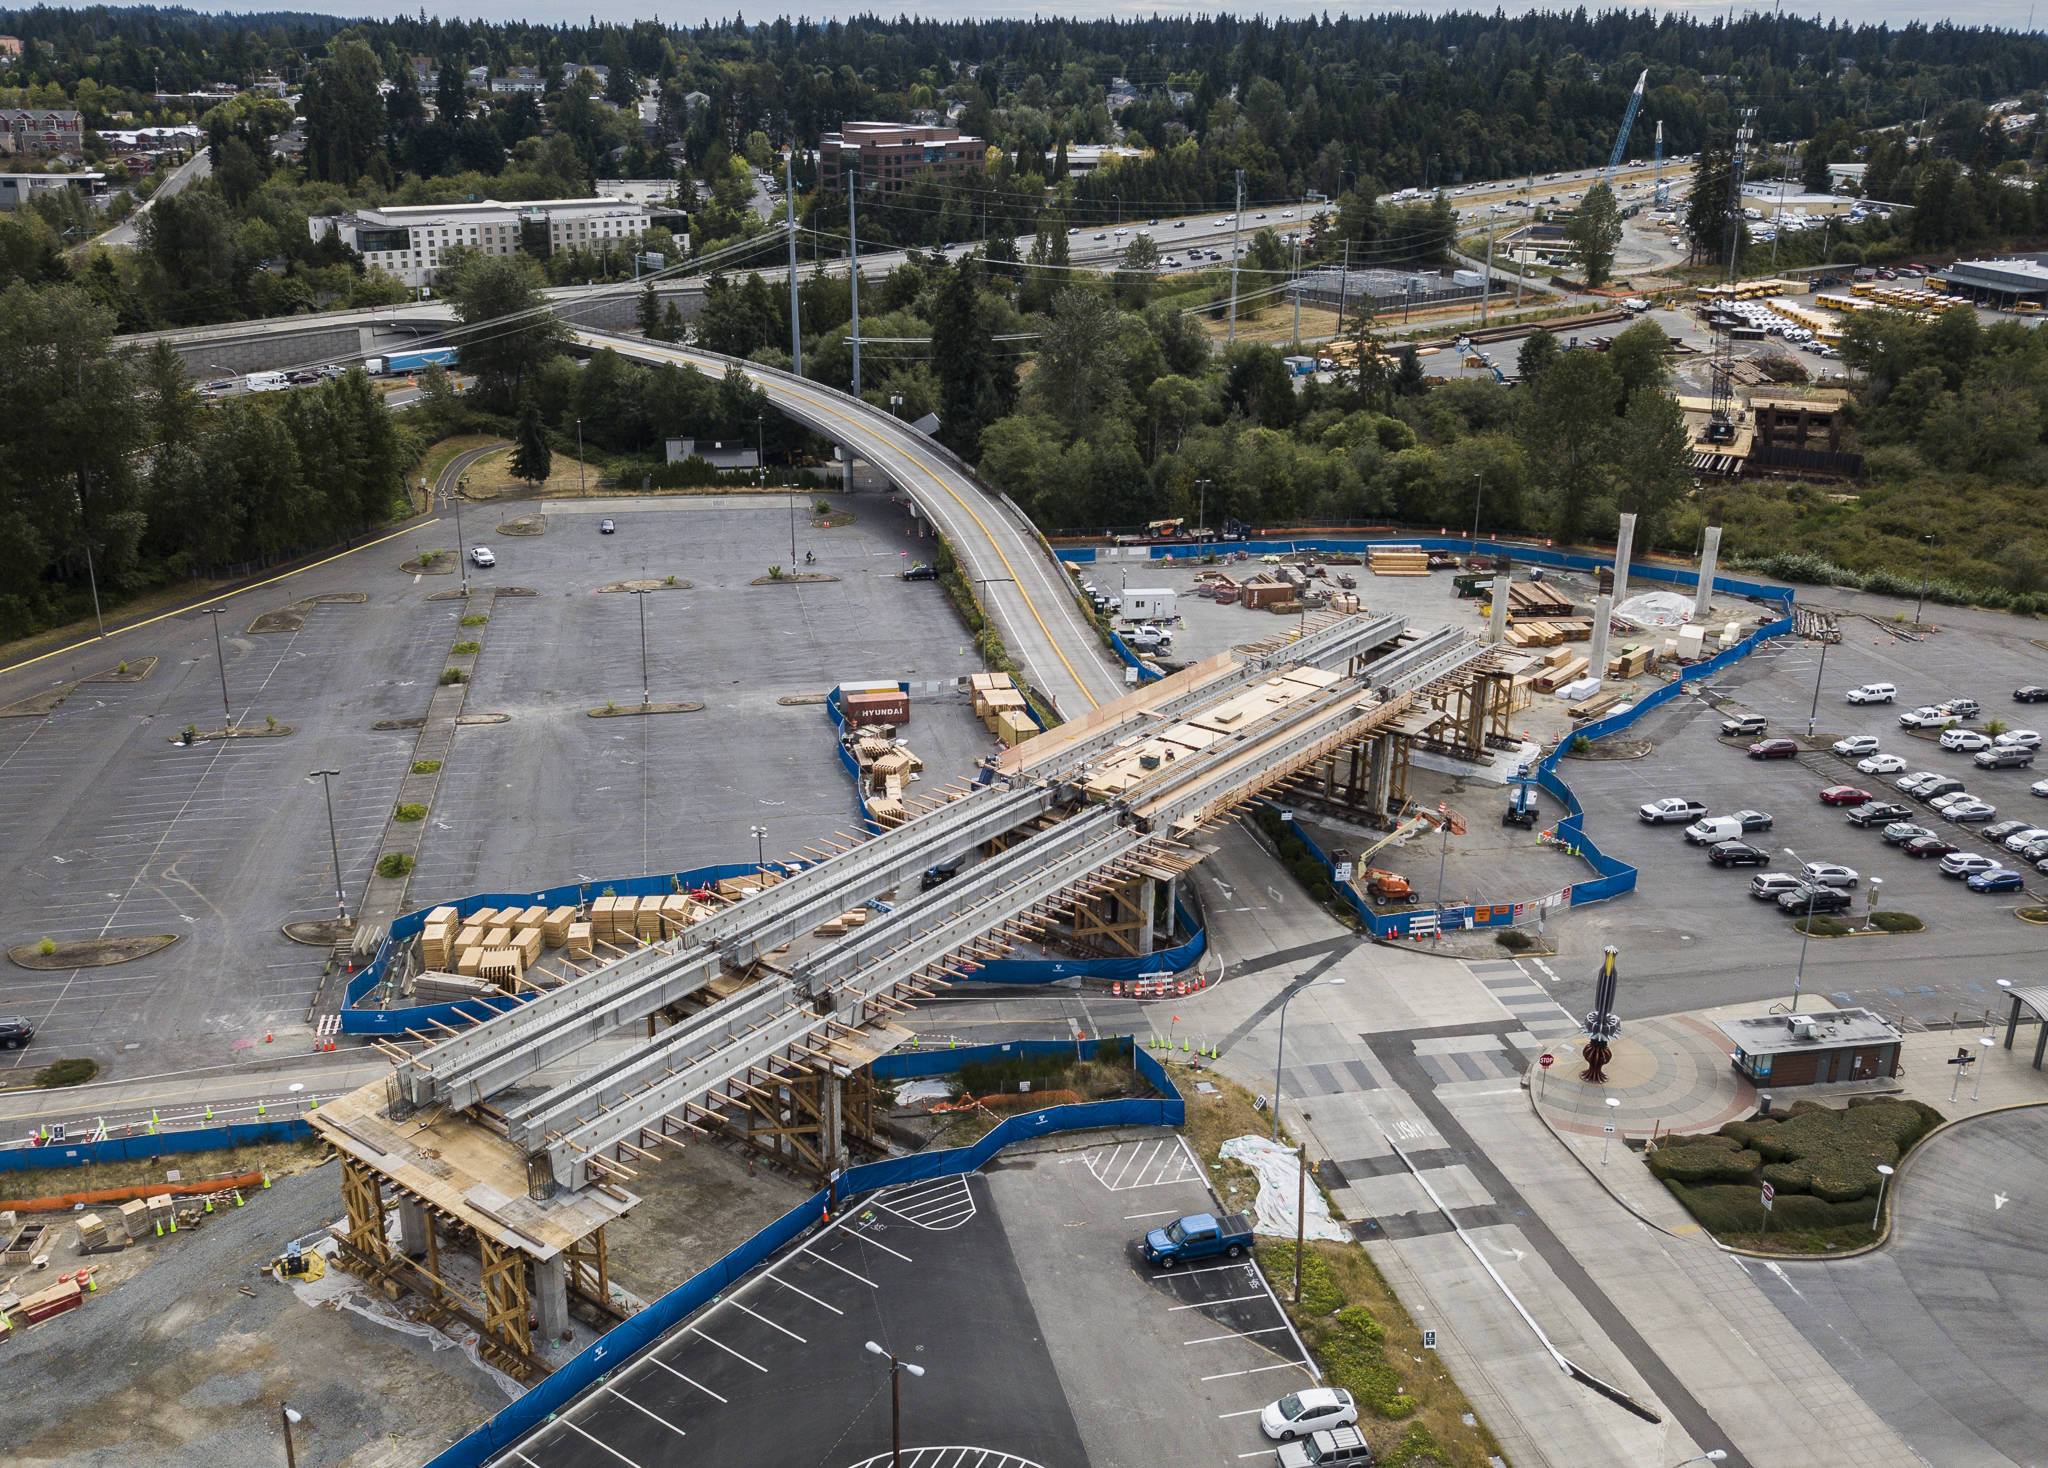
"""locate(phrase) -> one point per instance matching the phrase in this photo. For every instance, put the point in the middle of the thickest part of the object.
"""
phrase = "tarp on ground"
(1278, 1169)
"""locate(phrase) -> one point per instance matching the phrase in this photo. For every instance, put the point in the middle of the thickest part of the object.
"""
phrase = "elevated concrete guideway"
(1034, 609)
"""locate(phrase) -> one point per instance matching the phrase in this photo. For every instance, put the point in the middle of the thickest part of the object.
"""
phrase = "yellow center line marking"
(827, 406)
(218, 597)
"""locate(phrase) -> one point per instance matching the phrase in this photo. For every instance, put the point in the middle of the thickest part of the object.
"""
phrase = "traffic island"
(535, 524)
(36, 705)
(322, 934)
(620, 711)
(292, 617)
(87, 952)
(790, 578)
(1881, 925)
(650, 583)
(430, 563)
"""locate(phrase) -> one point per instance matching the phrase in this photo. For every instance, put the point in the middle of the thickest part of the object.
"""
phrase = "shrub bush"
(394, 864)
(474, 620)
(409, 810)
(1418, 1448)
(454, 675)
(1514, 939)
(425, 766)
(75, 1071)
(1350, 1347)
(1829, 1154)
(1321, 1295)
(464, 649)
(1820, 925)
(48, 947)
(1735, 1209)
(1897, 922)
(1707, 1158)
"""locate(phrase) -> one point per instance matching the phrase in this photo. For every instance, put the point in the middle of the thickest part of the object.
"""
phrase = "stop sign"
(1545, 1061)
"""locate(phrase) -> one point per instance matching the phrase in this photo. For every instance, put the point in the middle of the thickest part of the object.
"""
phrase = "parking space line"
(1124, 1171)
(1155, 1213)
(524, 1459)
(1247, 1412)
(638, 1408)
(680, 1377)
(1234, 1335)
(771, 1324)
(1255, 1370)
(866, 1238)
(806, 1294)
(1210, 1269)
(600, 1443)
(728, 1349)
(1200, 1304)
(840, 1267)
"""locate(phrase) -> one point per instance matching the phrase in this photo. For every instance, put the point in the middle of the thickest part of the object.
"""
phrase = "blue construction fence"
(1611, 876)
(21, 1158)
(620, 1344)
(1132, 660)
(1521, 552)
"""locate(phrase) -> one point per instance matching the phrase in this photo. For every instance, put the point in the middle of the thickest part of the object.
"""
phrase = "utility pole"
(853, 273)
(1236, 224)
(1486, 269)
(1343, 286)
(1296, 283)
(796, 332)
(221, 658)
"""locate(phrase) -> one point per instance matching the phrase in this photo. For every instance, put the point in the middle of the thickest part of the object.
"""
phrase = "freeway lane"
(1034, 609)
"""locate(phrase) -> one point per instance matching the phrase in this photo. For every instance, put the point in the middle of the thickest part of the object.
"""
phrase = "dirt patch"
(535, 524)
(90, 952)
(696, 1206)
(132, 671)
(491, 478)
(649, 584)
(1612, 749)
(626, 710)
(279, 1159)
(418, 722)
(442, 565)
(799, 700)
(292, 618)
(278, 732)
(833, 519)
(789, 579)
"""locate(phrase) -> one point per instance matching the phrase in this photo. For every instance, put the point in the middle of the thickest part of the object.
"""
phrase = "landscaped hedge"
(1833, 1154)
(1736, 1210)
(1708, 1157)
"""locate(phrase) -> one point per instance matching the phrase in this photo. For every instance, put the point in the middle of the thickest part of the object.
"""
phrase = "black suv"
(15, 1033)
(1801, 900)
(1738, 854)
(920, 572)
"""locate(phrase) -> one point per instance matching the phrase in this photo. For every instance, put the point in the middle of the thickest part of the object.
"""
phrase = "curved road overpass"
(1027, 593)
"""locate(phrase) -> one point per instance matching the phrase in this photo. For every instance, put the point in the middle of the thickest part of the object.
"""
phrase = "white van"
(1713, 829)
(1873, 693)
(265, 382)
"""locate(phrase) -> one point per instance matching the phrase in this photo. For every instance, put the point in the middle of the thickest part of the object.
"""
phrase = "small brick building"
(1814, 1048)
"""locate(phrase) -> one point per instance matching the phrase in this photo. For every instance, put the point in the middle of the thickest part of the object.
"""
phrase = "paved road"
(1027, 592)
(123, 235)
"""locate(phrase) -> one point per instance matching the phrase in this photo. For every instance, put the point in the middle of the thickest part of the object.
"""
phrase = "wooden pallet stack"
(1398, 560)
(93, 1233)
(135, 1219)
(1556, 675)
(1631, 661)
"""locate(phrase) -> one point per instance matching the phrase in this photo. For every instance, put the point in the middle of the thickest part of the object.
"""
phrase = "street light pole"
(333, 844)
(1280, 1055)
(1884, 1175)
(1443, 857)
(646, 696)
(984, 583)
(1813, 711)
(896, 1368)
(760, 834)
(222, 658)
(1478, 493)
(461, 555)
(1926, 565)
(1806, 936)
(582, 488)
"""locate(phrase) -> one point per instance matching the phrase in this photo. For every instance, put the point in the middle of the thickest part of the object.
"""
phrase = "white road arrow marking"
(1998, 1201)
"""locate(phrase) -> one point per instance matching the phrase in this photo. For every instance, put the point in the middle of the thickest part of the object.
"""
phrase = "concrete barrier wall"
(616, 1347)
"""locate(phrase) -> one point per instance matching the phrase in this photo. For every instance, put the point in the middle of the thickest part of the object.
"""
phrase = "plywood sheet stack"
(554, 928)
(1014, 729)
(469, 962)
(677, 913)
(162, 1212)
(647, 919)
(981, 685)
(604, 922)
(483, 917)
(526, 943)
(999, 702)
(888, 813)
(135, 1218)
(1399, 560)
(576, 940)
(1631, 661)
(501, 966)
(836, 927)
(92, 1232)
(437, 942)
(1554, 678)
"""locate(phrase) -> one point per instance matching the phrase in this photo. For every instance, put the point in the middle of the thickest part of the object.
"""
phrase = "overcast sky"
(2011, 14)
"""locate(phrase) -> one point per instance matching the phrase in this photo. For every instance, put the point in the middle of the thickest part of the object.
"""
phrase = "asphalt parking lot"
(117, 830)
(922, 1270)
(1691, 935)
(1021, 1292)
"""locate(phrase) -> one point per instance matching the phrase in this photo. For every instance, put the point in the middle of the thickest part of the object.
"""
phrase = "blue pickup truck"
(1198, 1236)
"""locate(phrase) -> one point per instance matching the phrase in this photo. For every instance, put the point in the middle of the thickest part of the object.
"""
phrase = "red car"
(1773, 749)
(1843, 795)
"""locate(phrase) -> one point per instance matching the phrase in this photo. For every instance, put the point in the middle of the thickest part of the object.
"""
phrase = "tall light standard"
(640, 595)
(1281, 1055)
(897, 1367)
(461, 555)
(983, 583)
(1926, 565)
(91, 575)
(333, 844)
(1478, 493)
(1442, 859)
(1884, 1175)
(1806, 934)
(760, 834)
(222, 658)
(1813, 711)
(1607, 1132)
(582, 488)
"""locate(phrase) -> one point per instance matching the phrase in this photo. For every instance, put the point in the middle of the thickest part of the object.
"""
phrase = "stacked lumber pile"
(1398, 560)
(1538, 600)
(1556, 675)
(1533, 634)
(1632, 660)
(66, 1294)
(888, 813)
(135, 1219)
(1263, 590)
(838, 926)
(93, 1233)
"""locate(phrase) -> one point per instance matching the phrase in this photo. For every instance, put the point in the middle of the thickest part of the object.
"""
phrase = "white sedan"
(1881, 764)
(1856, 744)
(1311, 1409)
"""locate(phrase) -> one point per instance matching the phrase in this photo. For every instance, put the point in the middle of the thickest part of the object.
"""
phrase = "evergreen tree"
(649, 312)
(532, 459)
(1596, 229)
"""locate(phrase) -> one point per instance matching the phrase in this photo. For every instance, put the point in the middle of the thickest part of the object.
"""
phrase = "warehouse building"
(413, 242)
(2005, 283)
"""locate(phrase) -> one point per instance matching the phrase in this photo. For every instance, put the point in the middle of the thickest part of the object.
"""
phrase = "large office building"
(889, 155)
(41, 131)
(414, 242)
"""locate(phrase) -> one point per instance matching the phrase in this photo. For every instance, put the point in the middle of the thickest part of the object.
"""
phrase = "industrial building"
(2006, 283)
(17, 189)
(412, 242)
(890, 155)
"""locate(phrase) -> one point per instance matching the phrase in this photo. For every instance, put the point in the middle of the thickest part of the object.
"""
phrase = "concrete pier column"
(1624, 546)
(1148, 898)
(1603, 613)
(412, 1228)
(1173, 901)
(832, 1145)
(1497, 619)
(1710, 555)
(551, 1296)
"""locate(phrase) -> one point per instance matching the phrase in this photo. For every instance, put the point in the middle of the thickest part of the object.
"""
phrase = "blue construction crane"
(1628, 121)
